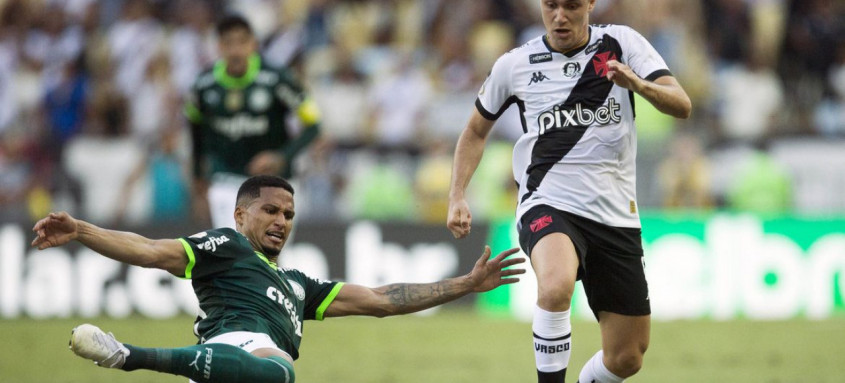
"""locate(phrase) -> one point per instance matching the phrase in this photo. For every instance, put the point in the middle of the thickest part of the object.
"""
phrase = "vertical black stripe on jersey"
(591, 92)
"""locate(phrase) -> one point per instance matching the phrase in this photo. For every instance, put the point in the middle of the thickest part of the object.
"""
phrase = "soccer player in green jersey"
(238, 111)
(253, 310)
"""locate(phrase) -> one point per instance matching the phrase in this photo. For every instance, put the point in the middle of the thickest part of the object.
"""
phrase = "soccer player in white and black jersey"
(574, 165)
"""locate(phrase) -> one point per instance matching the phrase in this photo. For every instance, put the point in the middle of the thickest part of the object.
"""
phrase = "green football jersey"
(239, 289)
(238, 117)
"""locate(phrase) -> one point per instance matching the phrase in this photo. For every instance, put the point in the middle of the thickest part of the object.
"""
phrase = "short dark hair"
(251, 188)
(233, 22)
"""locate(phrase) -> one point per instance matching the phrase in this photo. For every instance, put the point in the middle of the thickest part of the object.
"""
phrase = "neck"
(234, 71)
(580, 44)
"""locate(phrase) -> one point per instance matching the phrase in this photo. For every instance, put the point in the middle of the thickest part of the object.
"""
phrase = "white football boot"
(89, 342)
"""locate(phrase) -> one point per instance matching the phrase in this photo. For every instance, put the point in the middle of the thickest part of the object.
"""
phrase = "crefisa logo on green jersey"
(276, 295)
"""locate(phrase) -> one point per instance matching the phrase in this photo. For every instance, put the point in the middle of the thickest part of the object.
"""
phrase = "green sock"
(211, 363)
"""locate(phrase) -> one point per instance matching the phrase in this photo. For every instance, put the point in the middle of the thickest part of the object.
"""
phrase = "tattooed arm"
(406, 298)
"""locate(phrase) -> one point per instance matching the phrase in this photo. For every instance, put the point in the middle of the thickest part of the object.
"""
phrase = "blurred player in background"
(238, 111)
(574, 165)
(253, 310)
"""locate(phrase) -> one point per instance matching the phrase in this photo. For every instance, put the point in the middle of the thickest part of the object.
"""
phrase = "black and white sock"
(552, 340)
(595, 371)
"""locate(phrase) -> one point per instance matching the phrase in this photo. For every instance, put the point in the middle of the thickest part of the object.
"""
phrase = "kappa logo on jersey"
(212, 243)
(579, 116)
(539, 58)
(539, 223)
(537, 77)
(571, 69)
(600, 62)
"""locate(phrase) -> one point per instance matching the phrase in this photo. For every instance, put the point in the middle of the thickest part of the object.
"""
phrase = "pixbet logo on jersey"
(579, 116)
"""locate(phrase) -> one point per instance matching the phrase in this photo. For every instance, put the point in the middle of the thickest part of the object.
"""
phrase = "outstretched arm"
(60, 228)
(406, 298)
(665, 93)
(468, 153)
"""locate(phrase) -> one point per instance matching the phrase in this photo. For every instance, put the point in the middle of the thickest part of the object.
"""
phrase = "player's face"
(236, 45)
(567, 22)
(267, 221)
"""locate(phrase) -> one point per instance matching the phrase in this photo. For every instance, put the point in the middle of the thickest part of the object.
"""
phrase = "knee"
(557, 297)
(285, 374)
(625, 363)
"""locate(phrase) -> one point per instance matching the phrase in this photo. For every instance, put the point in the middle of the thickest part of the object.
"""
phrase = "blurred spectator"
(17, 176)
(8, 98)
(397, 104)
(101, 158)
(382, 191)
(317, 24)
(155, 103)
(815, 27)
(64, 107)
(431, 182)
(751, 98)
(322, 182)
(342, 95)
(133, 41)
(193, 44)
(760, 186)
(51, 45)
(829, 116)
(165, 169)
(729, 28)
(77, 11)
(685, 175)
(493, 193)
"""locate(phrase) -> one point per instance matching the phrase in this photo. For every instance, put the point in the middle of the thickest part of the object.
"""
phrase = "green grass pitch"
(456, 345)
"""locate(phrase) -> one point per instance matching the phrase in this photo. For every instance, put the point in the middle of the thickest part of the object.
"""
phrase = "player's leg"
(617, 291)
(205, 363)
(555, 263)
(624, 342)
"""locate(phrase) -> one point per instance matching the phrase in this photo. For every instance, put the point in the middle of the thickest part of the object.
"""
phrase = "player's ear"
(239, 216)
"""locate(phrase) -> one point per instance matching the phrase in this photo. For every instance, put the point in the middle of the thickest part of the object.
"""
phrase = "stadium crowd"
(91, 103)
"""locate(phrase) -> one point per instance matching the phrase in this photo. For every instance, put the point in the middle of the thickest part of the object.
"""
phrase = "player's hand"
(56, 229)
(623, 76)
(459, 221)
(267, 162)
(489, 274)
